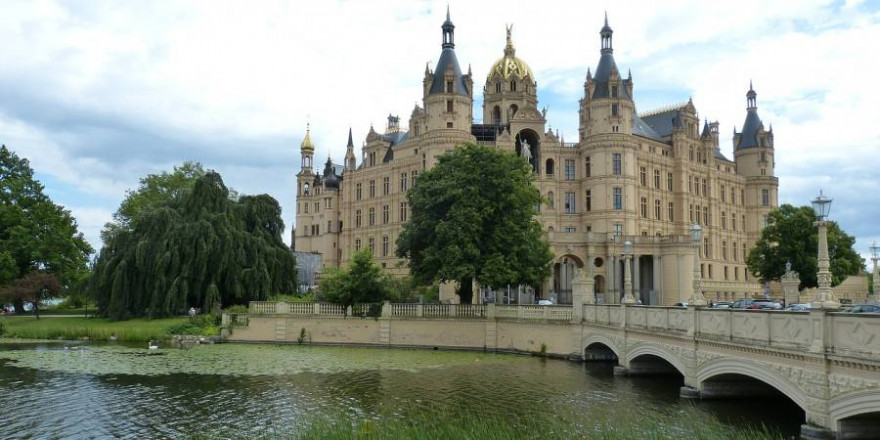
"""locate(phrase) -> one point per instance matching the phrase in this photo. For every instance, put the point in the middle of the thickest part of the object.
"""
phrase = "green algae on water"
(239, 360)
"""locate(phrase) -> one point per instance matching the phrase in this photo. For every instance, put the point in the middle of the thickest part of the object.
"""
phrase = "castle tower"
(448, 94)
(754, 156)
(509, 87)
(607, 106)
(350, 160)
(305, 175)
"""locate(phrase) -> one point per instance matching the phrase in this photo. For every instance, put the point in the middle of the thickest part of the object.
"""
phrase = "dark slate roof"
(706, 131)
(664, 122)
(603, 73)
(641, 128)
(749, 136)
(447, 58)
(487, 132)
(395, 139)
(332, 174)
(719, 155)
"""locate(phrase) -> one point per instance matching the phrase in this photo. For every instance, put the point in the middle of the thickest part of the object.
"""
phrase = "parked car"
(756, 304)
(799, 307)
(864, 308)
(546, 302)
(720, 305)
(681, 304)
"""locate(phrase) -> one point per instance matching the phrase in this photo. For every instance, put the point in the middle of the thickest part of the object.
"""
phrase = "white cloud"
(99, 94)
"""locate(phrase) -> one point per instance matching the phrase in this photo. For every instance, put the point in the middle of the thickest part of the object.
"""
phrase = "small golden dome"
(510, 65)
(306, 144)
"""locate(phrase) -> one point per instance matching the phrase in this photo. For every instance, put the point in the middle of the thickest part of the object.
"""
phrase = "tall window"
(733, 249)
(657, 209)
(732, 195)
(706, 215)
(657, 179)
(498, 88)
(384, 245)
(569, 169)
(706, 248)
(549, 167)
(671, 211)
(723, 194)
(617, 166)
(723, 220)
(513, 86)
(414, 175)
(589, 205)
(744, 254)
(644, 207)
(615, 109)
(669, 181)
(705, 188)
(588, 169)
(732, 221)
(765, 197)
(449, 106)
(618, 198)
(306, 207)
(724, 250)
(372, 216)
(643, 176)
(569, 203)
(372, 242)
(448, 86)
(550, 197)
(357, 244)
(402, 212)
(403, 182)
(386, 186)
(357, 218)
(357, 191)
(385, 214)
(618, 229)
(372, 188)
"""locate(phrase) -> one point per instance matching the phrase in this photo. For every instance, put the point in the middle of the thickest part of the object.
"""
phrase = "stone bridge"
(826, 363)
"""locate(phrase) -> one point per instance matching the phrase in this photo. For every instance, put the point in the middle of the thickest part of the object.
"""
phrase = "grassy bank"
(100, 329)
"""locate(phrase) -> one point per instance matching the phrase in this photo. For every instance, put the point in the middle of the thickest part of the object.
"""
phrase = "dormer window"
(513, 86)
(448, 86)
(614, 91)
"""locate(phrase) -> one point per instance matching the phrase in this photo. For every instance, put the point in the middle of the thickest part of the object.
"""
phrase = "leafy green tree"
(201, 249)
(473, 219)
(790, 236)
(361, 282)
(35, 233)
(35, 287)
(154, 192)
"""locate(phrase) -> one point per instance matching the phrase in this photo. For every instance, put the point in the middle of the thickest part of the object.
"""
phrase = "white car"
(546, 302)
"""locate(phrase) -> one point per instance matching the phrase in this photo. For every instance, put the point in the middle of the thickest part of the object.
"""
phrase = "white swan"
(153, 345)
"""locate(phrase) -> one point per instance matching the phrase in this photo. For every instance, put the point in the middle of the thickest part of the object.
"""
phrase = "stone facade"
(642, 177)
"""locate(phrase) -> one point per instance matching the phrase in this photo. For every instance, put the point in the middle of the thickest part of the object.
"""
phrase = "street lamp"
(697, 299)
(825, 297)
(875, 255)
(628, 297)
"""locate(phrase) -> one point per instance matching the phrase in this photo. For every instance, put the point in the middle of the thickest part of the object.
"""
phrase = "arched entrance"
(530, 138)
(564, 271)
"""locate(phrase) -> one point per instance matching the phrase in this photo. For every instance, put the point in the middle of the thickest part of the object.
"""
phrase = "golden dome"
(510, 65)
(307, 142)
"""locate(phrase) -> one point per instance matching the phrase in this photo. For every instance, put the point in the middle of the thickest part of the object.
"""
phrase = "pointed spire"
(306, 144)
(606, 36)
(469, 69)
(427, 68)
(629, 74)
(751, 98)
(448, 32)
(350, 142)
(589, 74)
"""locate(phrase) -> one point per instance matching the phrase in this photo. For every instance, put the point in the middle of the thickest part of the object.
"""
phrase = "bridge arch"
(738, 367)
(599, 342)
(862, 404)
(643, 349)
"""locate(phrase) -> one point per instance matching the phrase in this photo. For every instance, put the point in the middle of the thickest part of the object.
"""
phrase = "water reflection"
(51, 404)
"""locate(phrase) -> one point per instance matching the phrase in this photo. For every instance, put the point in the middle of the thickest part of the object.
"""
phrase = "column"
(609, 279)
(637, 285)
(655, 287)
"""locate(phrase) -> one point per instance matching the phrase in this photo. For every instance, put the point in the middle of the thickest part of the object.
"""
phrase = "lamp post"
(875, 255)
(628, 297)
(825, 297)
(697, 299)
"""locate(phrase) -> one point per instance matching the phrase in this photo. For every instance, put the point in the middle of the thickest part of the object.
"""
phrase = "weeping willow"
(199, 250)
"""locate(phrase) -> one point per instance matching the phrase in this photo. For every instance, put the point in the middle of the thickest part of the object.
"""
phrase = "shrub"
(198, 325)
(236, 309)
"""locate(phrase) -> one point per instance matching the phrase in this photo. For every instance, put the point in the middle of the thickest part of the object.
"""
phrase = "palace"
(625, 194)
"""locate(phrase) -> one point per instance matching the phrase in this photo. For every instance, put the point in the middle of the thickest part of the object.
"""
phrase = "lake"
(56, 390)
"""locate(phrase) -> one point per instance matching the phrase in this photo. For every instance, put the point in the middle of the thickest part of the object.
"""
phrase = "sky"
(97, 94)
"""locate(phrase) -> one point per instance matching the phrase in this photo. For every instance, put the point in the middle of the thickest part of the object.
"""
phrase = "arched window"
(644, 207)
(657, 209)
(550, 199)
(498, 87)
(496, 113)
(549, 167)
(306, 189)
(513, 110)
(512, 86)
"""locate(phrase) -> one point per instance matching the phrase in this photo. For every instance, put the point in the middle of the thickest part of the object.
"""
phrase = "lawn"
(101, 329)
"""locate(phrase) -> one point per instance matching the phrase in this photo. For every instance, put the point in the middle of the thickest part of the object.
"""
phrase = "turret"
(509, 87)
(607, 106)
(753, 147)
(448, 95)
(350, 160)
(307, 150)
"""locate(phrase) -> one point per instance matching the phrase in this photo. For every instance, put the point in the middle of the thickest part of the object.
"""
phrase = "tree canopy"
(361, 282)
(155, 191)
(36, 235)
(473, 218)
(201, 249)
(790, 236)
